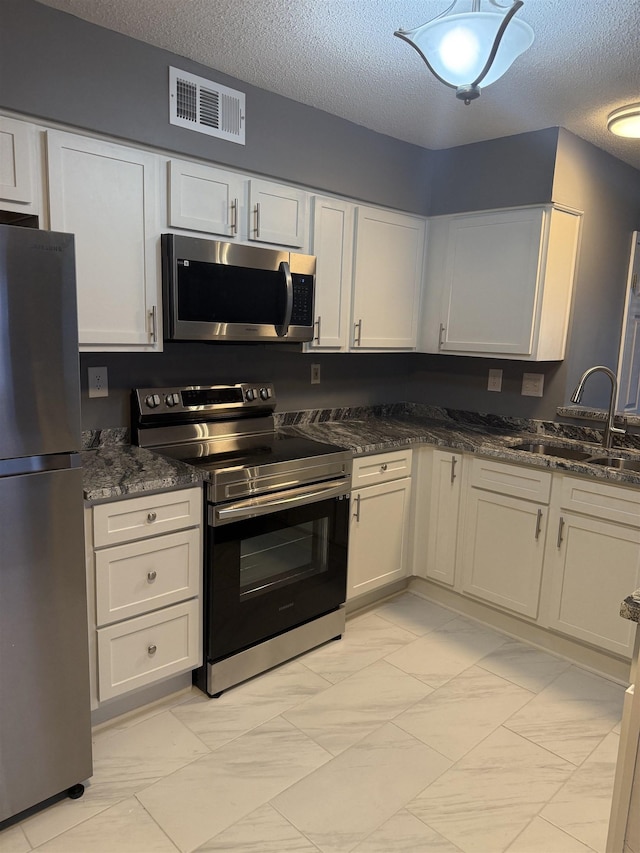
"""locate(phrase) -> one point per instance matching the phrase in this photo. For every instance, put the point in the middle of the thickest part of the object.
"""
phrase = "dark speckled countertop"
(114, 469)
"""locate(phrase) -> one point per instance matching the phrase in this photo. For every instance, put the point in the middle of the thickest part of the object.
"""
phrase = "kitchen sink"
(553, 450)
(616, 462)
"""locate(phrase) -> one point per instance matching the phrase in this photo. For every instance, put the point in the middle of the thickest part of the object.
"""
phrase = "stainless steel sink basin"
(553, 450)
(617, 462)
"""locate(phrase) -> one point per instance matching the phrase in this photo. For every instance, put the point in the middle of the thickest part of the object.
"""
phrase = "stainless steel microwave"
(214, 291)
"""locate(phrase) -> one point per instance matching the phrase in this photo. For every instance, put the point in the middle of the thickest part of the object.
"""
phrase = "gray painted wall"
(506, 172)
(57, 67)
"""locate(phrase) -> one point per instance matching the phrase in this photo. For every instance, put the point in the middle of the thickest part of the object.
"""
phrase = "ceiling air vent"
(205, 106)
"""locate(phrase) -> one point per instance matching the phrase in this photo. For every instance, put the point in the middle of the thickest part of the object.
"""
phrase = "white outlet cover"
(532, 384)
(98, 381)
(495, 380)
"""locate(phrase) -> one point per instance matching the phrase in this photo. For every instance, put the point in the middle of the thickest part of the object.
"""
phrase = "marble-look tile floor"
(420, 730)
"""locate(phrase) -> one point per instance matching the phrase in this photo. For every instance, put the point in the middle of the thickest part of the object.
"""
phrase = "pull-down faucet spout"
(610, 430)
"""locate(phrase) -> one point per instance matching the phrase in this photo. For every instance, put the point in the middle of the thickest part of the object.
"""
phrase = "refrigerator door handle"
(37, 464)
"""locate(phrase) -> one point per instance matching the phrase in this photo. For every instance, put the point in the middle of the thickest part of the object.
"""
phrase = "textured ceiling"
(340, 56)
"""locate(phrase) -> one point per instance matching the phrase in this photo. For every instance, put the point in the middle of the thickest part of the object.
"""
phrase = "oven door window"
(268, 574)
(281, 557)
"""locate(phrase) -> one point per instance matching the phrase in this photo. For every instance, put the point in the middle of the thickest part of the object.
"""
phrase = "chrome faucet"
(610, 430)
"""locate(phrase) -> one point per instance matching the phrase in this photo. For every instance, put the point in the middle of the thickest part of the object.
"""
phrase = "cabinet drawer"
(380, 468)
(135, 518)
(140, 576)
(590, 497)
(148, 648)
(515, 480)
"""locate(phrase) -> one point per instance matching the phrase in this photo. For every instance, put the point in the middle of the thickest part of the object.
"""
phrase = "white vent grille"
(205, 106)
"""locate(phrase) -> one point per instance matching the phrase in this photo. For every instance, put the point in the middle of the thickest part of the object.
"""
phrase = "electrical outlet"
(98, 382)
(495, 380)
(315, 374)
(532, 384)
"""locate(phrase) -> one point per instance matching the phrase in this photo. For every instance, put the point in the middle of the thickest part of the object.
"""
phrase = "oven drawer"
(137, 577)
(148, 648)
(381, 468)
(136, 518)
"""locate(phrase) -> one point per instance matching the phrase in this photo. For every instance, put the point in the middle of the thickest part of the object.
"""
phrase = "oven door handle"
(282, 330)
(267, 504)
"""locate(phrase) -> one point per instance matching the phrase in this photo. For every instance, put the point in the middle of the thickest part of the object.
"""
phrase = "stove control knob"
(265, 393)
(171, 399)
(152, 400)
(250, 395)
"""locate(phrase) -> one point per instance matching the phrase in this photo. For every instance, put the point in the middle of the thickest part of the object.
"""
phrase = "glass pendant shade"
(625, 121)
(458, 46)
(471, 49)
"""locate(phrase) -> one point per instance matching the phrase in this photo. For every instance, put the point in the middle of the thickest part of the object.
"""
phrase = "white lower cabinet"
(145, 571)
(593, 562)
(559, 550)
(378, 535)
(438, 489)
(504, 535)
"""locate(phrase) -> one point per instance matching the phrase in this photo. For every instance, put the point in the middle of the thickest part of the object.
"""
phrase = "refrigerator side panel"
(45, 720)
(39, 371)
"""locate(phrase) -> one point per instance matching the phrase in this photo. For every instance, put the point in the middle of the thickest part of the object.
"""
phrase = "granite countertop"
(488, 435)
(113, 468)
(630, 607)
(122, 470)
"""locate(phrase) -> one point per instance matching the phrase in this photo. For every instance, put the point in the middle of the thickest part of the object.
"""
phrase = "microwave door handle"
(282, 330)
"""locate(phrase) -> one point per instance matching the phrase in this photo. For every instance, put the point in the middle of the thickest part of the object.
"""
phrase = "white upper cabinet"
(204, 198)
(17, 166)
(332, 244)
(499, 283)
(105, 194)
(277, 214)
(228, 204)
(389, 254)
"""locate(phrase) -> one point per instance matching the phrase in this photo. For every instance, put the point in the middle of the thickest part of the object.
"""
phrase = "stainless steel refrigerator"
(45, 718)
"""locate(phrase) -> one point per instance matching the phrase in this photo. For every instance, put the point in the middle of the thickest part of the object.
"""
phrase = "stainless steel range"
(277, 519)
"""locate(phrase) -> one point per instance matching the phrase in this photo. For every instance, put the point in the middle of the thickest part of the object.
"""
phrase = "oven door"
(272, 572)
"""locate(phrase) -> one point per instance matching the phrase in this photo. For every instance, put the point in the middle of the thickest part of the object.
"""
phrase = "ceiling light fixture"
(625, 121)
(468, 48)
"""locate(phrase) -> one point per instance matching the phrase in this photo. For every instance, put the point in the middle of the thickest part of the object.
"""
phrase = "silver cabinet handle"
(383, 467)
(152, 649)
(151, 576)
(153, 322)
(317, 325)
(453, 468)
(151, 517)
(257, 219)
(356, 514)
(234, 216)
(538, 524)
(357, 333)
(443, 329)
(560, 527)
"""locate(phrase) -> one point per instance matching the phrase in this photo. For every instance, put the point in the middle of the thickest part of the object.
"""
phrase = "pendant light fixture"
(625, 121)
(466, 49)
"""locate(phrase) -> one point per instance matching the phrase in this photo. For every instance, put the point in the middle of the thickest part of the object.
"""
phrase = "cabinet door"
(203, 198)
(593, 565)
(442, 535)
(389, 256)
(378, 536)
(277, 214)
(332, 244)
(105, 194)
(16, 153)
(503, 548)
(491, 282)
